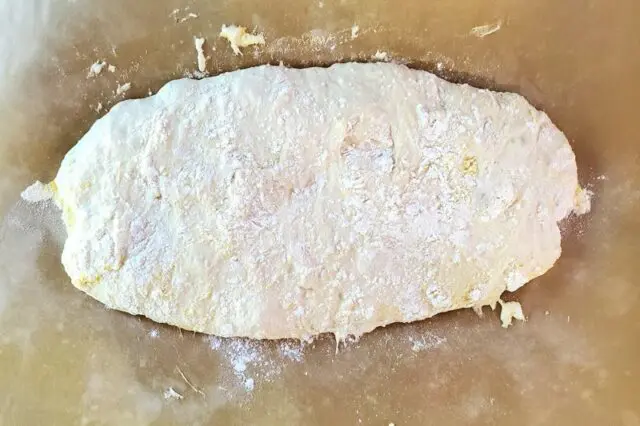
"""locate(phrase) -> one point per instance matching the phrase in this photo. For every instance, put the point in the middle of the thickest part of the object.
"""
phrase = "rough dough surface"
(273, 202)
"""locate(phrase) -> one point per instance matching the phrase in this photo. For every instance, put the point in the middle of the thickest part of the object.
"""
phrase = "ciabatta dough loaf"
(283, 203)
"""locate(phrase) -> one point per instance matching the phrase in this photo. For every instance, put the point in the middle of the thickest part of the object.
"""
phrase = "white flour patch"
(354, 31)
(249, 384)
(292, 351)
(122, 88)
(426, 342)
(172, 394)
(380, 56)
(254, 363)
(96, 68)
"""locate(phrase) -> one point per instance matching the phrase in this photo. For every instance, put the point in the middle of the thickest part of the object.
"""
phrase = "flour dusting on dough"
(37, 192)
(273, 202)
(583, 201)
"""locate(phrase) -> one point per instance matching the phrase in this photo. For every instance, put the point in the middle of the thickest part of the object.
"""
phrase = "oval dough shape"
(283, 203)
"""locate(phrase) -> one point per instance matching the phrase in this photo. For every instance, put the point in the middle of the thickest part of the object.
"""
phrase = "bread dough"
(510, 311)
(282, 203)
(202, 60)
(238, 37)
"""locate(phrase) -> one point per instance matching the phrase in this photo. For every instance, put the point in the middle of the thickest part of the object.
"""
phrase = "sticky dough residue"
(510, 311)
(97, 67)
(238, 37)
(485, 30)
(202, 60)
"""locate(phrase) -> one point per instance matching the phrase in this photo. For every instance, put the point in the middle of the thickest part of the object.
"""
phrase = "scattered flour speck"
(249, 384)
(253, 363)
(380, 56)
(426, 342)
(292, 351)
(96, 68)
(214, 342)
(171, 393)
(354, 31)
(122, 88)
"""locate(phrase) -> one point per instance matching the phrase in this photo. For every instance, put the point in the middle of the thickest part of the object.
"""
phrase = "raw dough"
(273, 202)
(122, 88)
(96, 68)
(238, 37)
(202, 60)
(510, 311)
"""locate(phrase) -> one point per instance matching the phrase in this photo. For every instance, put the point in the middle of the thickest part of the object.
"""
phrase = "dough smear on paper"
(273, 202)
